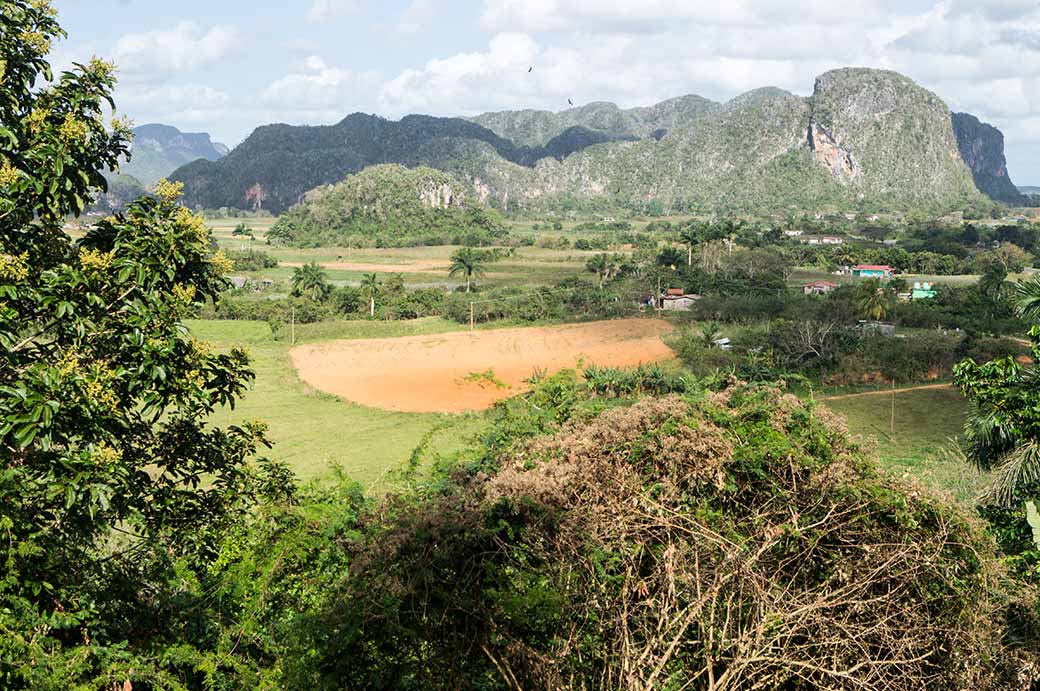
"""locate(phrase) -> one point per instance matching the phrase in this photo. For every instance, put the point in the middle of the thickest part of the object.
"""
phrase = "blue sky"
(227, 66)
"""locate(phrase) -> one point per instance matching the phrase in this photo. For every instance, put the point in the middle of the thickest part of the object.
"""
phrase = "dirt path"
(434, 373)
(420, 266)
(885, 392)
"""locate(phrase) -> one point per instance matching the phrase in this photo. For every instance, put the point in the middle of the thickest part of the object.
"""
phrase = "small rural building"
(794, 233)
(882, 271)
(822, 240)
(819, 287)
(677, 300)
(877, 328)
(239, 282)
(922, 291)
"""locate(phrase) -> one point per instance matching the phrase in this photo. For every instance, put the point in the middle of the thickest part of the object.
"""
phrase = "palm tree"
(370, 288)
(691, 235)
(311, 280)
(603, 265)
(993, 281)
(1027, 298)
(469, 262)
(710, 333)
(874, 299)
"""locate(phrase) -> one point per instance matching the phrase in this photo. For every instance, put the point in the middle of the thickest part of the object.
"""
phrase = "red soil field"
(432, 373)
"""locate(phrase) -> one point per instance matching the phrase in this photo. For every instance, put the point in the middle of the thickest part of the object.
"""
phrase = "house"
(818, 287)
(882, 271)
(922, 291)
(794, 233)
(677, 300)
(877, 328)
(724, 344)
(822, 240)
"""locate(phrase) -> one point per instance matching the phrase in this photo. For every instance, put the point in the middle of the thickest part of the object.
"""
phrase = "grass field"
(926, 422)
(313, 431)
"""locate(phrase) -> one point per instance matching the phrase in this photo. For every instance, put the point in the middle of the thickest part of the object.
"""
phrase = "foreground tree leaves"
(109, 476)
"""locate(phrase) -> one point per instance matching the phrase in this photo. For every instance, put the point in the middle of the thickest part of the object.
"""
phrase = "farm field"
(462, 371)
(314, 431)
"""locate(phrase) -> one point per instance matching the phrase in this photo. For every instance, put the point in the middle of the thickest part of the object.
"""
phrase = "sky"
(227, 66)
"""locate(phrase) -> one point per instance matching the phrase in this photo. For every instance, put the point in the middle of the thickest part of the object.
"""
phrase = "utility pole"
(892, 419)
(470, 315)
(292, 322)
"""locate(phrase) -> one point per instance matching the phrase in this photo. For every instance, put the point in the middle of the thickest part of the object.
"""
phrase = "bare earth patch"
(442, 373)
(417, 267)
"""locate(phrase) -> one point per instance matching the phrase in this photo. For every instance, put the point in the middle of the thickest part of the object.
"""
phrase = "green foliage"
(312, 281)
(113, 487)
(251, 260)
(390, 204)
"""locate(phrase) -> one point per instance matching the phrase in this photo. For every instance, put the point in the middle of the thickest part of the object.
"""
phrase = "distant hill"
(1028, 189)
(158, 150)
(864, 139)
(387, 202)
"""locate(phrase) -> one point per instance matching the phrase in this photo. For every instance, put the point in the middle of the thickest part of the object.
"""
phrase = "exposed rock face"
(982, 148)
(828, 153)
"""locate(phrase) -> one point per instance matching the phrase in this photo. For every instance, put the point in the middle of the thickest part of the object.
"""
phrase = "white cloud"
(323, 10)
(315, 89)
(156, 54)
(415, 16)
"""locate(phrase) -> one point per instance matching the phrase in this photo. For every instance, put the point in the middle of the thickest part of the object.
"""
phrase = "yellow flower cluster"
(94, 260)
(8, 174)
(169, 191)
(36, 41)
(192, 223)
(195, 378)
(37, 119)
(201, 349)
(103, 454)
(44, 7)
(101, 69)
(14, 268)
(72, 129)
(101, 395)
(68, 364)
(123, 126)
(184, 293)
(221, 263)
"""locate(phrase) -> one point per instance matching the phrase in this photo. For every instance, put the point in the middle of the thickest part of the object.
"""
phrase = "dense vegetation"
(389, 205)
(609, 529)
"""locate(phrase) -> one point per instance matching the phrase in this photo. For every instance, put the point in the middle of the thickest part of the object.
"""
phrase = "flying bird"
(570, 102)
(529, 69)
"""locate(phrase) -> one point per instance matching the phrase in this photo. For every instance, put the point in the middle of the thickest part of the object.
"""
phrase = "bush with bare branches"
(725, 541)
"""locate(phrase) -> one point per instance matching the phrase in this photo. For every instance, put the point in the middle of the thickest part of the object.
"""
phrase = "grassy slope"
(313, 431)
(926, 421)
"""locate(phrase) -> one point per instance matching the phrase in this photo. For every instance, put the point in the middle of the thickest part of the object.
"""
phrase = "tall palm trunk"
(469, 280)
(689, 255)
(372, 306)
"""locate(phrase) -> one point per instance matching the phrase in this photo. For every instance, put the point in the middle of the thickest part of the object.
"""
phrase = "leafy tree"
(110, 476)
(604, 266)
(670, 257)
(370, 288)
(311, 280)
(873, 298)
(470, 263)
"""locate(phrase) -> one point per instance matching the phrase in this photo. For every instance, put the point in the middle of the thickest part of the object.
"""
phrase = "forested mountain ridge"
(864, 139)
(158, 150)
(982, 148)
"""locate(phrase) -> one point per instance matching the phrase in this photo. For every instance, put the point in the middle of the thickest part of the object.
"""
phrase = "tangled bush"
(729, 540)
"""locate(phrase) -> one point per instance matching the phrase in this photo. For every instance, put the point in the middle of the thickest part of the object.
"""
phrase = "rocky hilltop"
(158, 150)
(385, 201)
(982, 148)
(864, 139)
